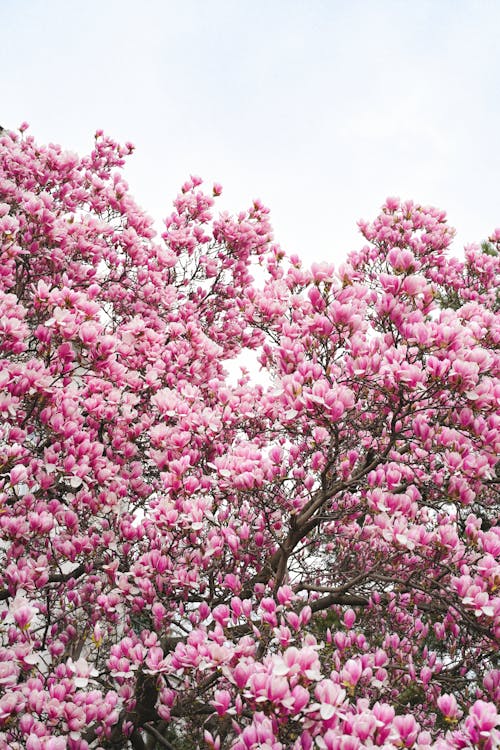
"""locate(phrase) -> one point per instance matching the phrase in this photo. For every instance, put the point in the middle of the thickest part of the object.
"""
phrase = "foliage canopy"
(187, 561)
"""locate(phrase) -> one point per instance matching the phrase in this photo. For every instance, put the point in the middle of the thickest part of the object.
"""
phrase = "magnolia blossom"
(194, 553)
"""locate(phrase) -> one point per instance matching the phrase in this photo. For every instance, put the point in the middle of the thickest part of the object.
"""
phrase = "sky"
(319, 108)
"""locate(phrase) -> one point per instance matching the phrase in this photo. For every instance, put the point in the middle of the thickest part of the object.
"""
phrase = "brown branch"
(137, 741)
(348, 599)
(307, 521)
(56, 578)
(149, 728)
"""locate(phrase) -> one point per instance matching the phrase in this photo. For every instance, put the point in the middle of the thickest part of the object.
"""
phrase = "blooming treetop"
(188, 562)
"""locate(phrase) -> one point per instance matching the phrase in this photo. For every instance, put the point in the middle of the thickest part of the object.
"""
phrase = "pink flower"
(351, 673)
(300, 698)
(9, 672)
(322, 272)
(82, 670)
(222, 701)
(349, 618)
(23, 612)
(285, 595)
(414, 285)
(88, 333)
(407, 729)
(447, 704)
(330, 697)
(18, 475)
(221, 614)
(10, 704)
(482, 719)
(240, 674)
(277, 688)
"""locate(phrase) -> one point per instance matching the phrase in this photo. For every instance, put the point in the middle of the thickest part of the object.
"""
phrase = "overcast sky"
(321, 109)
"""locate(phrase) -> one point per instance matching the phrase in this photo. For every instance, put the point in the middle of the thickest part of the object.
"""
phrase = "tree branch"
(149, 728)
(348, 599)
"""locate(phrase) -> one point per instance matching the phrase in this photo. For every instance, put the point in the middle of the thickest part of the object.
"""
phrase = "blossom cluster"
(308, 559)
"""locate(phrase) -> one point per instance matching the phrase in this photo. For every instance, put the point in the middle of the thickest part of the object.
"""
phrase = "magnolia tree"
(189, 561)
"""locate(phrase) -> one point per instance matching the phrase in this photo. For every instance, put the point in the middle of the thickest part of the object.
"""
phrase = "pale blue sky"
(321, 109)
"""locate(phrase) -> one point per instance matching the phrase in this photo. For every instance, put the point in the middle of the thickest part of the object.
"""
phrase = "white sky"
(319, 108)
